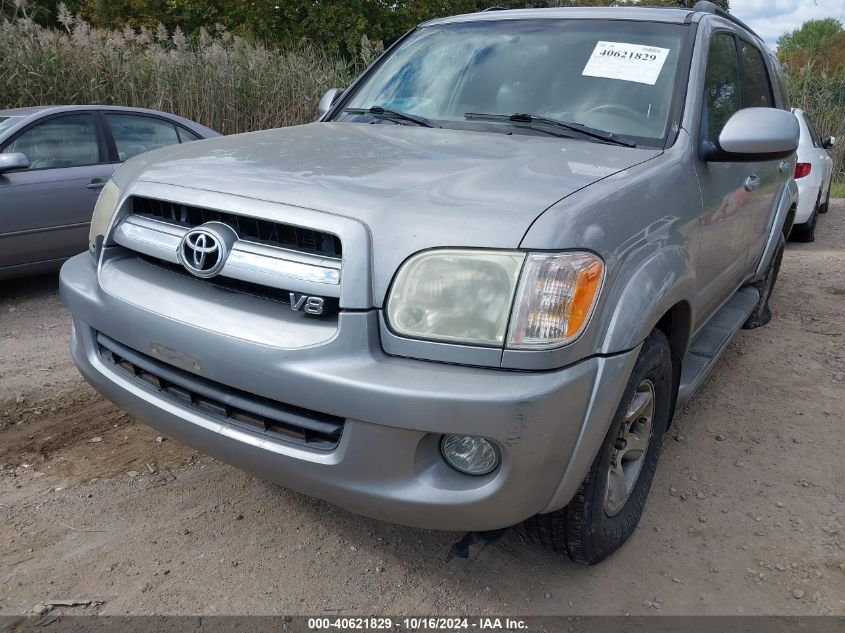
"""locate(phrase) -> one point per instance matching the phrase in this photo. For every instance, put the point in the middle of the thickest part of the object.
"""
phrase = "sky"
(772, 18)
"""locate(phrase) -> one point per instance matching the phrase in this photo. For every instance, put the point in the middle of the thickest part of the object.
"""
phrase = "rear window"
(134, 134)
(814, 135)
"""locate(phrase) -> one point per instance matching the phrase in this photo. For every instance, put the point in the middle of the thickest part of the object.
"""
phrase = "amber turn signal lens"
(586, 289)
(556, 296)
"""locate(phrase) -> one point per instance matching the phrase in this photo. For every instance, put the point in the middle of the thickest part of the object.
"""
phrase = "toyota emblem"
(202, 252)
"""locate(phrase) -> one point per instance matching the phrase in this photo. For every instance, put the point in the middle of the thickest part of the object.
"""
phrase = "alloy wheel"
(630, 448)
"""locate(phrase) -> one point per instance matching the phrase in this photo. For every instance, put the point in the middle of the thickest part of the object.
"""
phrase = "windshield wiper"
(395, 115)
(601, 135)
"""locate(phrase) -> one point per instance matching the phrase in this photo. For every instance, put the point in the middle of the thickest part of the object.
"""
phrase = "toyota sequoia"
(472, 294)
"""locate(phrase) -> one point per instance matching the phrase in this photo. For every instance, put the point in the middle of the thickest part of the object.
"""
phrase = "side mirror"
(755, 134)
(10, 162)
(829, 142)
(328, 100)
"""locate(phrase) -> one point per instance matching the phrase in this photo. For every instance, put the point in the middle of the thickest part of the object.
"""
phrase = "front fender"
(661, 280)
(645, 223)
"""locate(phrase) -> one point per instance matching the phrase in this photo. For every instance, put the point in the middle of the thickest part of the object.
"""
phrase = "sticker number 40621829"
(649, 57)
(626, 62)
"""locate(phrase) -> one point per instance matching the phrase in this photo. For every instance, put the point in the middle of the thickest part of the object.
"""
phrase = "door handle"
(96, 185)
(783, 166)
(752, 182)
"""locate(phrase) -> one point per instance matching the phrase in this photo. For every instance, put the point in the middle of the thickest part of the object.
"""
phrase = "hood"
(413, 187)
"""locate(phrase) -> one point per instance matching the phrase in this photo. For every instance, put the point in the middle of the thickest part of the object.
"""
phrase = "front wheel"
(608, 505)
(761, 314)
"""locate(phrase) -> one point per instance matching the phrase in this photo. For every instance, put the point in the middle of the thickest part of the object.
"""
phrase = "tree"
(336, 26)
(809, 38)
(41, 11)
(835, 52)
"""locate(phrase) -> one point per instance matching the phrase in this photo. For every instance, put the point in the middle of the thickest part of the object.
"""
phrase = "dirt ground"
(745, 515)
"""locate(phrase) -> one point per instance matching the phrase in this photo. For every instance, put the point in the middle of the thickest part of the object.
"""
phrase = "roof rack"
(705, 6)
(494, 9)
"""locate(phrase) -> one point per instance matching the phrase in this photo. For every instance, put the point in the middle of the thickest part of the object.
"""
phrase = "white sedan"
(813, 174)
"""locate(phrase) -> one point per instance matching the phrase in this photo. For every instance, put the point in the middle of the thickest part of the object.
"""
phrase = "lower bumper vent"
(277, 420)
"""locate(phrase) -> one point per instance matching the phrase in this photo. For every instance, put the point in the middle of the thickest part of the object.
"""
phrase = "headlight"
(556, 297)
(460, 296)
(103, 212)
(471, 296)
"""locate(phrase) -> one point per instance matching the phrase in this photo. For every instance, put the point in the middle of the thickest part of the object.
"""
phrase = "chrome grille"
(248, 228)
(258, 256)
(236, 285)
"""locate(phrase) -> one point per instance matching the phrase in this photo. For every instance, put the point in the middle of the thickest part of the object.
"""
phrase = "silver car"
(473, 293)
(53, 163)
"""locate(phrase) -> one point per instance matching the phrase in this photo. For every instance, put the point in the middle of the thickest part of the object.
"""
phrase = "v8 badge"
(307, 304)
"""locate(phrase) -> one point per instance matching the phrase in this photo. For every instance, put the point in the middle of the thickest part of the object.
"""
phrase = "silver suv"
(473, 293)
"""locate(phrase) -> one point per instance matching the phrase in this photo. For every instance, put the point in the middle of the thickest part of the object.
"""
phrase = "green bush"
(821, 93)
(225, 82)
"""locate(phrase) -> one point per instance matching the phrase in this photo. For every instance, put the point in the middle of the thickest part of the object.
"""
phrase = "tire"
(601, 516)
(824, 208)
(806, 232)
(762, 314)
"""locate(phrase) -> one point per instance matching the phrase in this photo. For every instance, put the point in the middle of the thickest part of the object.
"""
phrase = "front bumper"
(387, 464)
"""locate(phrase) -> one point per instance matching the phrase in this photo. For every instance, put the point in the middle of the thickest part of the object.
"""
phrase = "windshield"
(616, 76)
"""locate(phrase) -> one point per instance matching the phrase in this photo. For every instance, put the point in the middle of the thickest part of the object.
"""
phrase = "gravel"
(82, 518)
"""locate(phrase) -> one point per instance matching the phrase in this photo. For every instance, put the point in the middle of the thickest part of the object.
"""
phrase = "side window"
(756, 88)
(134, 134)
(68, 141)
(186, 136)
(723, 86)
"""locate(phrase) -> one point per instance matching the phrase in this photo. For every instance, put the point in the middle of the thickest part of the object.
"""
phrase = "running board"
(711, 341)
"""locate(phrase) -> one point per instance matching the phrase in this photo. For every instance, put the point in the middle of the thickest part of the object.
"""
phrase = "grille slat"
(248, 228)
(236, 407)
(331, 305)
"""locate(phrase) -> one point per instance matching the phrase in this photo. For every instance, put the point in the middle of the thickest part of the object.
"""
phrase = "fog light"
(469, 454)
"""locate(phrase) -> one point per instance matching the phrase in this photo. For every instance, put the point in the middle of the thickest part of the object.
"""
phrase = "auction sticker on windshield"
(627, 62)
